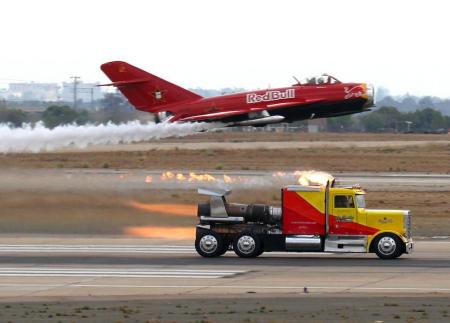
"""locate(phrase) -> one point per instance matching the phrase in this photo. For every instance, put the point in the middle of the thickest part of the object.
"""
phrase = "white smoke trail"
(38, 138)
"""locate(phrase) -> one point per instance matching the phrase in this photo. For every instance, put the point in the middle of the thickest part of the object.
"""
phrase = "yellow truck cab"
(383, 229)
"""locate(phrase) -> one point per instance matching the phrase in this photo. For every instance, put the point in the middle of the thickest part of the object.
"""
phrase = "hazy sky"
(402, 45)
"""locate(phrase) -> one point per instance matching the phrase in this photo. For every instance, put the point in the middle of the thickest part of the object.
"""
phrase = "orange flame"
(167, 175)
(307, 178)
(188, 210)
(192, 177)
(170, 233)
(312, 178)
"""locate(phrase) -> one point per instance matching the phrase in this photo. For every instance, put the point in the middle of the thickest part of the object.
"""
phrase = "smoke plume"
(38, 138)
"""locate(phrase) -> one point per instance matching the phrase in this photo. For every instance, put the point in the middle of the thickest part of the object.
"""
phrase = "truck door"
(343, 214)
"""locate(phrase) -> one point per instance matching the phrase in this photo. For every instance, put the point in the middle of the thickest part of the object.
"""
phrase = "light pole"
(75, 85)
(408, 126)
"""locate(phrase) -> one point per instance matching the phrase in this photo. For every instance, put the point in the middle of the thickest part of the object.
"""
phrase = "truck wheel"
(247, 245)
(388, 246)
(209, 244)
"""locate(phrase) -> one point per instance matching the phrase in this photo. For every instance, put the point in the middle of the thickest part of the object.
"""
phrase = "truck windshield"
(361, 201)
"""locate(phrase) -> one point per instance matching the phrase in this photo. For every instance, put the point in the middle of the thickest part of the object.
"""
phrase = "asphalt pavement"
(62, 267)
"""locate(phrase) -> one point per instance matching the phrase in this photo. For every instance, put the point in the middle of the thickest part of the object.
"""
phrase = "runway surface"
(124, 179)
(57, 267)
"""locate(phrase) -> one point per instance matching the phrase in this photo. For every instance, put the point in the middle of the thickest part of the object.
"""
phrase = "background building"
(33, 91)
(86, 92)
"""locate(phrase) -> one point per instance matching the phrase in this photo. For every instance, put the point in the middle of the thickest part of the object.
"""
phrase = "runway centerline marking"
(243, 287)
(122, 273)
(149, 249)
(163, 250)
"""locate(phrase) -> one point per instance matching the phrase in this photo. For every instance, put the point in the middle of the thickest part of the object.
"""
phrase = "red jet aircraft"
(317, 97)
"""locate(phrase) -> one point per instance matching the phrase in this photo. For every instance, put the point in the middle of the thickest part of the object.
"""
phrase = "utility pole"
(75, 90)
(92, 97)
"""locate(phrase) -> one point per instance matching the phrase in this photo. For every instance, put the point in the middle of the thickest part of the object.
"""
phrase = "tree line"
(117, 110)
(390, 119)
(113, 108)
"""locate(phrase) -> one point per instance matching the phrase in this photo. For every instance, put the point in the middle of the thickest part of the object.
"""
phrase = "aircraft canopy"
(319, 80)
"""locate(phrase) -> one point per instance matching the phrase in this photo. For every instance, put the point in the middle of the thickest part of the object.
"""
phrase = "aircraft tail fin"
(143, 90)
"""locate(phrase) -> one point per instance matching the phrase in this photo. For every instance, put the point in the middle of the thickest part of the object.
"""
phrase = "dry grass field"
(251, 308)
(430, 158)
(303, 136)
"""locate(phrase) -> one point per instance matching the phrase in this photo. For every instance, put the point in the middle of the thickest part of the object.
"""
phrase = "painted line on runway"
(232, 287)
(94, 249)
(149, 249)
(266, 287)
(123, 273)
(138, 249)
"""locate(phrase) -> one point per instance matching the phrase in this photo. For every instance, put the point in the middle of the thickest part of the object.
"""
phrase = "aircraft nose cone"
(370, 93)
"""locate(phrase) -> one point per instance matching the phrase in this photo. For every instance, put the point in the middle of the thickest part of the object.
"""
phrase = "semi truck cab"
(310, 219)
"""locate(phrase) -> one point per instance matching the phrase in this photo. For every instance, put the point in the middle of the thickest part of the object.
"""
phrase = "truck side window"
(344, 201)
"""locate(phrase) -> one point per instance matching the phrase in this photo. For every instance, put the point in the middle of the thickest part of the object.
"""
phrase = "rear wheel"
(388, 246)
(209, 244)
(247, 245)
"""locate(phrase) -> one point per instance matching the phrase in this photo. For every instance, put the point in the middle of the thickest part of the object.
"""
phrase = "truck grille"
(407, 224)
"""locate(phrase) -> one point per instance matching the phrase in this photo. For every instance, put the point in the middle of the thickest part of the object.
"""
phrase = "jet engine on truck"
(310, 219)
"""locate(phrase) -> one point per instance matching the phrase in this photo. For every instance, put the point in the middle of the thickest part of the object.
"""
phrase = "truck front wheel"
(247, 245)
(388, 246)
(209, 244)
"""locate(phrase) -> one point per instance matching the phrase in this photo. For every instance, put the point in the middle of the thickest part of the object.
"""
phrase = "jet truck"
(325, 218)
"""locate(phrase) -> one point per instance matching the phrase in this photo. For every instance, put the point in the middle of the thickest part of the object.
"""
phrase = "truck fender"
(372, 238)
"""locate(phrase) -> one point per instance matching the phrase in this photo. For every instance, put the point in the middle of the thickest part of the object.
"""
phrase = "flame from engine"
(187, 210)
(305, 178)
(191, 177)
(313, 178)
(169, 233)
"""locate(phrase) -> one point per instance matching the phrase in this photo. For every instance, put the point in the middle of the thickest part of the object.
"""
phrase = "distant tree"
(429, 119)
(15, 117)
(116, 109)
(83, 117)
(115, 101)
(340, 124)
(390, 119)
(56, 115)
(409, 103)
(3, 104)
(447, 122)
(426, 102)
(373, 122)
(382, 119)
